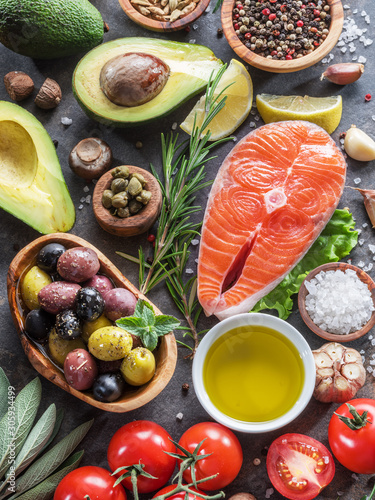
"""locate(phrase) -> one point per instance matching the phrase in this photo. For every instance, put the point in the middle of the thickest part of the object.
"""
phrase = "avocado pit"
(133, 79)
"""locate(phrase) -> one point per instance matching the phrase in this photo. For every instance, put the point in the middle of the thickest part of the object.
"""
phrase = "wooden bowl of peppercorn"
(282, 38)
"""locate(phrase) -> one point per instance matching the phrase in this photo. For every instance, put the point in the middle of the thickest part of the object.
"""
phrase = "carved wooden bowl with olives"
(65, 296)
(127, 200)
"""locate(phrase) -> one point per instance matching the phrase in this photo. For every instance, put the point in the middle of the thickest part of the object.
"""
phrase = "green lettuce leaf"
(335, 242)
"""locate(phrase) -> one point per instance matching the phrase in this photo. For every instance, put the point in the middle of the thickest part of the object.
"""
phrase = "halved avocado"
(190, 69)
(32, 186)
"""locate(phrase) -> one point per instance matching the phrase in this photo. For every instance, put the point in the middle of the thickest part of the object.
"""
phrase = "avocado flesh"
(32, 187)
(190, 69)
(49, 29)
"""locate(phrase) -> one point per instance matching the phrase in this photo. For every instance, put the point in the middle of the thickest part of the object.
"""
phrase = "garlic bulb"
(339, 373)
(358, 145)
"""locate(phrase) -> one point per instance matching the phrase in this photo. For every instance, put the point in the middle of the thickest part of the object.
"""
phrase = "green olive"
(138, 366)
(60, 348)
(110, 343)
(89, 327)
(32, 283)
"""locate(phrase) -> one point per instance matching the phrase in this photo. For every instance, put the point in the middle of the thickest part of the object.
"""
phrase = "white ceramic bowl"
(268, 321)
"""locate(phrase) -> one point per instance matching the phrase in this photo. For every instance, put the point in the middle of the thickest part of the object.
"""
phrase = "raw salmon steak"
(272, 196)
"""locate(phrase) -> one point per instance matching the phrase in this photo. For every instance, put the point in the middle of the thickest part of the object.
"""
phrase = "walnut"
(18, 85)
(49, 95)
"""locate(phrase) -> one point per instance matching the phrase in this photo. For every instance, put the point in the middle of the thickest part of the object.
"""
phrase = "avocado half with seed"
(32, 186)
(190, 69)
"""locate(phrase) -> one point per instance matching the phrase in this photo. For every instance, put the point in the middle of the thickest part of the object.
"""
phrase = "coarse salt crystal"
(66, 121)
(179, 416)
(361, 263)
(362, 60)
(371, 248)
(189, 271)
(363, 13)
(355, 11)
(174, 126)
(86, 189)
(370, 369)
(365, 224)
(88, 199)
(361, 241)
(346, 6)
(269, 492)
(80, 207)
(343, 49)
(82, 200)
(357, 180)
(252, 124)
(195, 242)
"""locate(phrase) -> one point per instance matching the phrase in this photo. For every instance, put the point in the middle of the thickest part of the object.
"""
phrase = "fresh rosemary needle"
(183, 168)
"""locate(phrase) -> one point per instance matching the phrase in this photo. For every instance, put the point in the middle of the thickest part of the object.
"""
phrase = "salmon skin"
(273, 195)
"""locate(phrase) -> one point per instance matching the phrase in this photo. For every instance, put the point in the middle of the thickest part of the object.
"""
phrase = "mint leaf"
(146, 325)
(165, 324)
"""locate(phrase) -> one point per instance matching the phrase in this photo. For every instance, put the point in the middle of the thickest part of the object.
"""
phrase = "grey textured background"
(14, 234)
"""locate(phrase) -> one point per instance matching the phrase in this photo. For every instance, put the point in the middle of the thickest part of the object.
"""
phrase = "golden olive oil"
(253, 374)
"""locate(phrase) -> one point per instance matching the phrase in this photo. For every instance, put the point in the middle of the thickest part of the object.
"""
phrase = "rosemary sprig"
(183, 168)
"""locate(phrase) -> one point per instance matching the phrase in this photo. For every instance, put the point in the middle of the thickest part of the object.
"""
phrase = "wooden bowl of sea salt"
(337, 302)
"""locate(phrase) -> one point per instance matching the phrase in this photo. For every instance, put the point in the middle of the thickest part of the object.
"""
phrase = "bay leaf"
(51, 460)
(46, 489)
(17, 422)
(36, 439)
(58, 422)
(4, 385)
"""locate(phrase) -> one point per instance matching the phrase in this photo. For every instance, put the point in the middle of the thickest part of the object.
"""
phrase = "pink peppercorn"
(151, 238)
(368, 97)
(288, 57)
(316, 12)
(266, 12)
(239, 6)
(271, 17)
(236, 16)
(236, 26)
(274, 53)
(300, 23)
(247, 36)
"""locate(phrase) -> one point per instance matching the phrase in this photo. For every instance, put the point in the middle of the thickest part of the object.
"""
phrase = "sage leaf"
(17, 422)
(51, 460)
(45, 490)
(36, 439)
(4, 386)
(58, 422)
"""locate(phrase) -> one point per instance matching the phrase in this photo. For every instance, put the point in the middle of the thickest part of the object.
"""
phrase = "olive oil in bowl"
(253, 373)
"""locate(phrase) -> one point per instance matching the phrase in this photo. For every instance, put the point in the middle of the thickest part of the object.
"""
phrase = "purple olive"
(119, 302)
(80, 369)
(78, 264)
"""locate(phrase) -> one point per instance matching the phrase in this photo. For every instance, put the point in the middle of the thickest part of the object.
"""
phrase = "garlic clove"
(354, 372)
(343, 73)
(358, 145)
(322, 360)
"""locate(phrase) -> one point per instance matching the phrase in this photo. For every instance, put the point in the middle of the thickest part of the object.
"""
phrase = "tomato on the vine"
(95, 482)
(143, 442)
(178, 496)
(299, 466)
(354, 448)
(225, 451)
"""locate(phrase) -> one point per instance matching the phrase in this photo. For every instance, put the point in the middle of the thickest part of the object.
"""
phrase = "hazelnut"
(49, 95)
(18, 85)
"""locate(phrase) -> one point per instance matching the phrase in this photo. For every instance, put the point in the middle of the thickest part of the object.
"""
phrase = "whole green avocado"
(47, 29)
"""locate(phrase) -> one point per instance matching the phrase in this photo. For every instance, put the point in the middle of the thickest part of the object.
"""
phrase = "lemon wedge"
(323, 111)
(237, 106)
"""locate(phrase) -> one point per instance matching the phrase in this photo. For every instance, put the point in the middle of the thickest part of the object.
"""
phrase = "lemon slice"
(237, 106)
(323, 111)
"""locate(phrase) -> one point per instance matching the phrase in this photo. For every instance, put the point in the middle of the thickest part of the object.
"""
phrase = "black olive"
(38, 324)
(48, 256)
(108, 387)
(68, 325)
(89, 304)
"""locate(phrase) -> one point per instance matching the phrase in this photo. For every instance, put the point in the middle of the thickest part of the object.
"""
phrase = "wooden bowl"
(166, 354)
(333, 266)
(153, 25)
(136, 224)
(276, 66)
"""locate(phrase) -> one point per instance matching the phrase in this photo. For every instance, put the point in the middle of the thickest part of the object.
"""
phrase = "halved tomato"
(299, 466)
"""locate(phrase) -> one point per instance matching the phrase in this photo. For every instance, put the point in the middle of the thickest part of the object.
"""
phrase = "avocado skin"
(47, 29)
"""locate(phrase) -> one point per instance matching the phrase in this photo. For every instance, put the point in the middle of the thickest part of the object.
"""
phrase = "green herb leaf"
(45, 490)
(58, 422)
(165, 324)
(146, 325)
(36, 440)
(4, 386)
(335, 242)
(51, 460)
(17, 422)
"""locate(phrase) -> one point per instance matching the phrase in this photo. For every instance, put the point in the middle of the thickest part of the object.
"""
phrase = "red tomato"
(143, 441)
(354, 449)
(225, 459)
(299, 466)
(95, 482)
(177, 496)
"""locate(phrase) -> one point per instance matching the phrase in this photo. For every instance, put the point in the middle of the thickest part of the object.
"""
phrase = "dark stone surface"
(14, 234)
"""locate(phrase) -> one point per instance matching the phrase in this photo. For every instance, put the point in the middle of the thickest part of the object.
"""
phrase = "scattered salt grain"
(174, 126)
(368, 267)
(196, 261)
(82, 200)
(179, 416)
(363, 13)
(371, 248)
(208, 9)
(355, 11)
(88, 199)
(338, 302)
(370, 369)
(354, 58)
(257, 118)
(361, 241)
(189, 271)
(370, 337)
(80, 207)
(195, 27)
(373, 342)
(324, 61)
(269, 492)
(66, 121)
(86, 189)
(253, 112)
(362, 351)
(195, 242)
(357, 180)
(340, 493)
(234, 138)
(361, 264)
(343, 49)
(372, 362)
(346, 6)
(365, 225)
(362, 60)
(192, 40)
(355, 477)
(252, 125)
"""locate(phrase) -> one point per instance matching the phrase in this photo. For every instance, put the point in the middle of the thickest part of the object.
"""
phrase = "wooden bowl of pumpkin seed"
(164, 15)
(127, 200)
